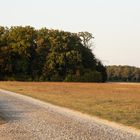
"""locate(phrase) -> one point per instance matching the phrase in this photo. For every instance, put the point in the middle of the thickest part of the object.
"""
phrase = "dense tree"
(48, 55)
(22, 42)
(100, 68)
(123, 73)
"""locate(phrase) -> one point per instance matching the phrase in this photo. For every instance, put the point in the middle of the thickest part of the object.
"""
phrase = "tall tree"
(40, 55)
(86, 38)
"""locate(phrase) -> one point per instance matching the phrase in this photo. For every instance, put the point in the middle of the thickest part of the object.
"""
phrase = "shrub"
(56, 78)
(72, 78)
(92, 76)
(88, 76)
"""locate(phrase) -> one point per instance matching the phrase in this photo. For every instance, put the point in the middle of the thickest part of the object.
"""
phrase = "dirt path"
(31, 119)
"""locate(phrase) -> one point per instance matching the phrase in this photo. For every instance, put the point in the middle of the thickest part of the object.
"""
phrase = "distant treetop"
(123, 73)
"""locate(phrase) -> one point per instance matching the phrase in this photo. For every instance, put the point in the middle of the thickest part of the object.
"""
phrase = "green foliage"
(88, 76)
(123, 73)
(72, 78)
(92, 76)
(28, 54)
(100, 68)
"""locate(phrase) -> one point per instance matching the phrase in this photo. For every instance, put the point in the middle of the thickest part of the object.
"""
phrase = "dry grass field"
(112, 101)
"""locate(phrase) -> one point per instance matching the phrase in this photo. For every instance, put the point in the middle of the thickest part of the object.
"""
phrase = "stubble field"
(112, 101)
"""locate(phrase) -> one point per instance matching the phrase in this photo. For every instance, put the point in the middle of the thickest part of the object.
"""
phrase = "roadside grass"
(111, 101)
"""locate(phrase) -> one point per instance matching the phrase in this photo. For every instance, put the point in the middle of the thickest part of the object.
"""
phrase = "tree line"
(123, 73)
(29, 54)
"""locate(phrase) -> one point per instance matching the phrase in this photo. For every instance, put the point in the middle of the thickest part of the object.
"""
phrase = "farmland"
(111, 101)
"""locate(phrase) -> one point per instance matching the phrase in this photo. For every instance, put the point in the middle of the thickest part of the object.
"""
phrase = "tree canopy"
(29, 54)
(123, 73)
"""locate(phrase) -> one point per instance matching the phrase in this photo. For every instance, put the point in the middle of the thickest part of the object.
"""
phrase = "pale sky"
(115, 24)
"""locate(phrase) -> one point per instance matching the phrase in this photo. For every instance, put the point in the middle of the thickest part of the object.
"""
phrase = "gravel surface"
(31, 119)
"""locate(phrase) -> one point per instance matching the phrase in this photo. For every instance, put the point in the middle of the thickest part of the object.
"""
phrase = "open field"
(115, 102)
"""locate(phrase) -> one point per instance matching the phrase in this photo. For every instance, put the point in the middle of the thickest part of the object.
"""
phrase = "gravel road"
(31, 119)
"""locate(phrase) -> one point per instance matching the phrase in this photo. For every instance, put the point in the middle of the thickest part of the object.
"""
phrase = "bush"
(72, 78)
(1, 77)
(88, 76)
(10, 78)
(56, 78)
(18, 77)
(92, 76)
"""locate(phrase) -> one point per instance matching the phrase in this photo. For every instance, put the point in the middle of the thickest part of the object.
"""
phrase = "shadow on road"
(8, 112)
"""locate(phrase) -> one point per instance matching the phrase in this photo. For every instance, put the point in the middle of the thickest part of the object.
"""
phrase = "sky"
(115, 24)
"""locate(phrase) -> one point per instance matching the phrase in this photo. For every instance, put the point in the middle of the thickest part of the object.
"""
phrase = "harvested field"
(112, 101)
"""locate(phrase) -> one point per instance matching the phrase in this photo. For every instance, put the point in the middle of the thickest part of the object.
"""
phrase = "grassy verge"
(115, 102)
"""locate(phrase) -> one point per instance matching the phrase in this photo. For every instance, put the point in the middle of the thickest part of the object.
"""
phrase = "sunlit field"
(111, 101)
